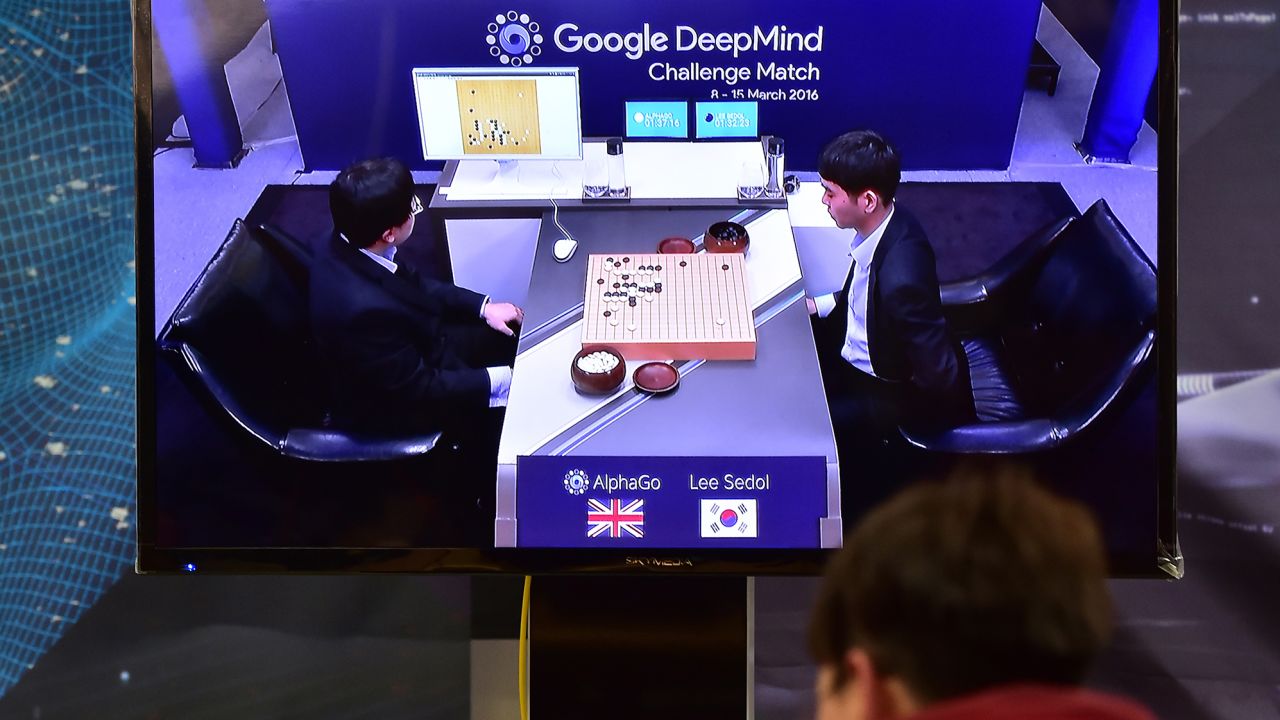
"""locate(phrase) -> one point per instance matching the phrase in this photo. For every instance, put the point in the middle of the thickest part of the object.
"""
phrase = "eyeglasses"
(415, 206)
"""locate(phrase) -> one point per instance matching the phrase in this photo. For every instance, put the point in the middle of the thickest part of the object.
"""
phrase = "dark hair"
(957, 586)
(859, 160)
(369, 197)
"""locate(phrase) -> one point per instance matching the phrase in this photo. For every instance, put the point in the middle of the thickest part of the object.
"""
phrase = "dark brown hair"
(369, 197)
(979, 580)
(862, 160)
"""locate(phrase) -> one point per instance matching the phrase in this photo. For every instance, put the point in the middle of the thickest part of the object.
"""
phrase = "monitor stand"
(507, 174)
(515, 177)
(644, 647)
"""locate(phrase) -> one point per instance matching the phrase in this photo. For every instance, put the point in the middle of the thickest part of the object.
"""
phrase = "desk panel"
(771, 408)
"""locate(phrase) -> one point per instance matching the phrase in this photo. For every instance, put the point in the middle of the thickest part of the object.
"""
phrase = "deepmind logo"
(514, 38)
(635, 44)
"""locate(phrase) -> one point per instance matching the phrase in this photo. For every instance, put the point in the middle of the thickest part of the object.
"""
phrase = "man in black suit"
(406, 353)
(886, 355)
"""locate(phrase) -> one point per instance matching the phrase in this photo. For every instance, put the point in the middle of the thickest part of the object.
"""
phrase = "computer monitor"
(498, 113)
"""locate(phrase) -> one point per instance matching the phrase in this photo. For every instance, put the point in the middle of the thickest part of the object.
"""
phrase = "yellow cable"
(523, 673)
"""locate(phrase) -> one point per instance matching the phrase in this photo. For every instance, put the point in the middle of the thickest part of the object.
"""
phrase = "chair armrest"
(993, 281)
(1038, 434)
(989, 438)
(315, 444)
(325, 445)
(1078, 416)
(973, 303)
(205, 374)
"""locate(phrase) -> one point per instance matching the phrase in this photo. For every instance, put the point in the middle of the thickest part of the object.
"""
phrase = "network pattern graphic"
(66, 317)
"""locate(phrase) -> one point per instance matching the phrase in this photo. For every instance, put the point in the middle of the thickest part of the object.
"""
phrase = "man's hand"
(813, 306)
(503, 317)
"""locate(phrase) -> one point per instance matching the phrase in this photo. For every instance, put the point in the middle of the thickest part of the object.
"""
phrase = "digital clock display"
(727, 119)
(657, 119)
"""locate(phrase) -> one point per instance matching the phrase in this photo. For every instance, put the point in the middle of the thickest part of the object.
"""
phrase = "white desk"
(492, 226)
(823, 247)
(748, 414)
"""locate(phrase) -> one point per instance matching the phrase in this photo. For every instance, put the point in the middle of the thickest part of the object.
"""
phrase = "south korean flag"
(729, 518)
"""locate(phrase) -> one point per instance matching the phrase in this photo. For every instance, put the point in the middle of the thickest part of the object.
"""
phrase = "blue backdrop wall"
(943, 79)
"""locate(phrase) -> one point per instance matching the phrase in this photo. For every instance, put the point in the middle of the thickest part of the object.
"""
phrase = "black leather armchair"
(1056, 333)
(241, 333)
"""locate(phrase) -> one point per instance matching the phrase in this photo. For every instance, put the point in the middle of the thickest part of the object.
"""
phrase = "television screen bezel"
(1164, 560)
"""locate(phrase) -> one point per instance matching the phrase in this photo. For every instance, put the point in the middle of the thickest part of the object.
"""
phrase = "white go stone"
(597, 362)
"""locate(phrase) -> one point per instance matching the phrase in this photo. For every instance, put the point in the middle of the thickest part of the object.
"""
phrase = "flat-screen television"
(702, 440)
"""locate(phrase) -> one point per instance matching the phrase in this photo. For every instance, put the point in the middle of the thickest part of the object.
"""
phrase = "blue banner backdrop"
(943, 79)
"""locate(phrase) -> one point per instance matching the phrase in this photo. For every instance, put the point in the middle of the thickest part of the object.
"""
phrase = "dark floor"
(208, 648)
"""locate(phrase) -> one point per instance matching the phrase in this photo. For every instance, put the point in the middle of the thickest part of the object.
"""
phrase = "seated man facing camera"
(406, 353)
(981, 597)
(886, 355)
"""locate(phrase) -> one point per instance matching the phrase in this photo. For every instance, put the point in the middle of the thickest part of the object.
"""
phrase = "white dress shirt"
(387, 261)
(499, 377)
(856, 351)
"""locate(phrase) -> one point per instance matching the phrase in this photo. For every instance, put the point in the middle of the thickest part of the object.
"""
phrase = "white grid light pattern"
(66, 317)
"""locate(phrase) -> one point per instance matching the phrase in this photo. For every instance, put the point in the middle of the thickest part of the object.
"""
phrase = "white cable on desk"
(555, 212)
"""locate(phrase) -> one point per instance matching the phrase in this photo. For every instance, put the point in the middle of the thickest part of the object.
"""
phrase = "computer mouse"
(564, 249)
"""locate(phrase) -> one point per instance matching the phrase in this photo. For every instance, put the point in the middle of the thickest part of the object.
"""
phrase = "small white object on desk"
(564, 249)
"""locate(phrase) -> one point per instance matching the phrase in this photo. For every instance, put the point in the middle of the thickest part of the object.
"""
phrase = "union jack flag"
(615, 518)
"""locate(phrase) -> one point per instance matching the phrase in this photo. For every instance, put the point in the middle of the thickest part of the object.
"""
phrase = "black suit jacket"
(384, 338)
(907, 336)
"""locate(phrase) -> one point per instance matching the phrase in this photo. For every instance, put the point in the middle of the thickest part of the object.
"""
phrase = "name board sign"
(670, 502)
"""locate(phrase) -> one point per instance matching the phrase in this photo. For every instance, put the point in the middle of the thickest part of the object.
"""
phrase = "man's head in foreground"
(951, 589)
(373, 203)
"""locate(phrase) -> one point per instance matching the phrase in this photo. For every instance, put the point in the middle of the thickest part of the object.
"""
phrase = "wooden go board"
(499, 117)
(677, 307)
